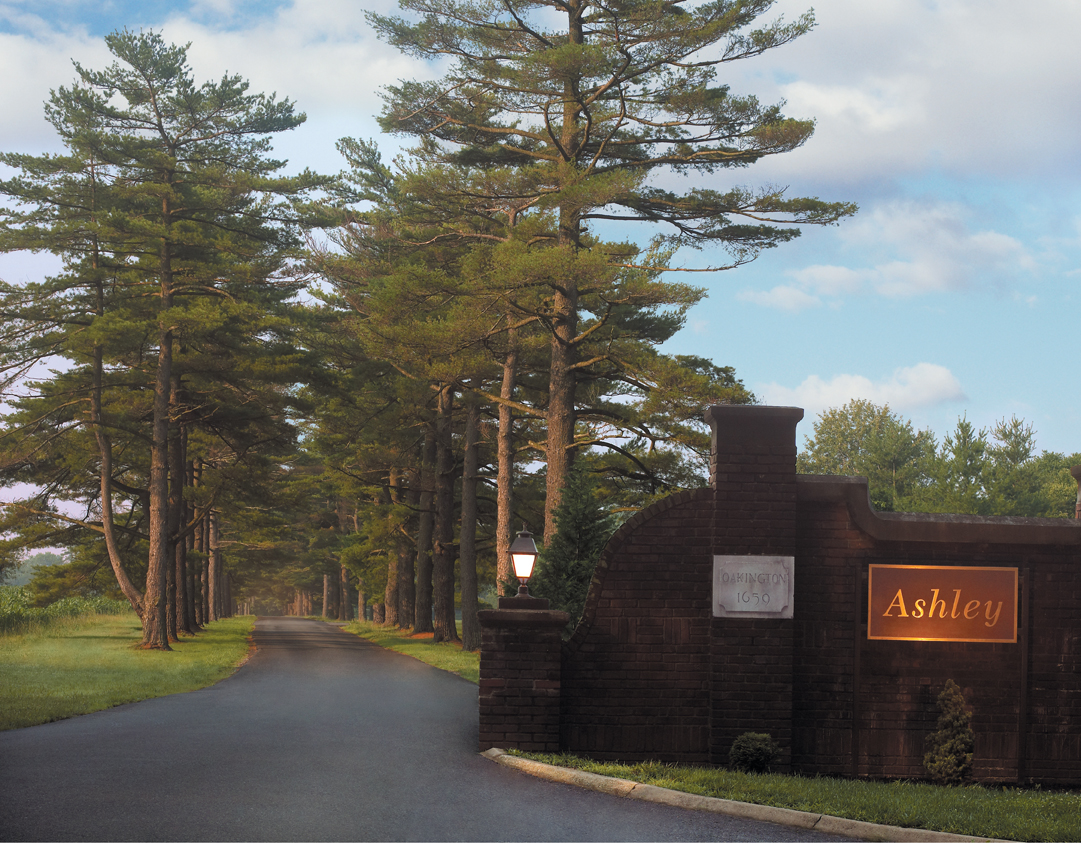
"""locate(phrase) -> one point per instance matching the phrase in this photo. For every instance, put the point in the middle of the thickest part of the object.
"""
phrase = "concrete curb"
(734, 808)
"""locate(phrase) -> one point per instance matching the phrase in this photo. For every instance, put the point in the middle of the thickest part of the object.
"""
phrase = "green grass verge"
(76, 666)
(446, 655)
(1010, 813)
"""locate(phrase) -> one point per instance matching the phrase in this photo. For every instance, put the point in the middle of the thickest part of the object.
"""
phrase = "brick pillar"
(520, 656)
(753, 474)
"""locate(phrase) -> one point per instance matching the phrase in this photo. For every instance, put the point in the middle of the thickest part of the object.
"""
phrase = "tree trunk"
(189, 548)
(563, 379)
(326, 596)
(155, 630)
(390, 596)
(197, 571)
(468, 547)
(214, 570)
(177, 478)
(407, 594)
(443, 529)
(155, 624)
(204, 569)
(422, 616)
(505, 469)
(105, 450)
(345, 604)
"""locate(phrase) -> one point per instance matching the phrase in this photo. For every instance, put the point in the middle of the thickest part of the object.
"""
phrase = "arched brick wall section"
(636, 670)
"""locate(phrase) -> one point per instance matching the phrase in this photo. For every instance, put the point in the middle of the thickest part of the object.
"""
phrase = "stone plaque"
(752, 586)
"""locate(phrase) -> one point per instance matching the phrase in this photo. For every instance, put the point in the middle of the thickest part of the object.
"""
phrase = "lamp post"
(523, 553)
(520, 663)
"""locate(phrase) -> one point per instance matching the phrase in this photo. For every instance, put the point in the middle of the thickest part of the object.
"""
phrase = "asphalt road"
(321, 736)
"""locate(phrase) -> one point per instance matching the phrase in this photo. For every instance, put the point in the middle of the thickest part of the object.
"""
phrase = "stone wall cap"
(934, 527)
(523, 618)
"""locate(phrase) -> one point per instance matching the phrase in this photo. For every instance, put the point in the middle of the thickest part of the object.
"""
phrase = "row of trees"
(468, 331)
(168, 317)
(995, 472)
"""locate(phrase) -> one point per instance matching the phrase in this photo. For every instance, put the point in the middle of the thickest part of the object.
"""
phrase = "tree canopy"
(980, 472)
(558, 118)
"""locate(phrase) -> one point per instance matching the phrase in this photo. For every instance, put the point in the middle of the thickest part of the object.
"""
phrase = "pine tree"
(565, 567)
(949, 748)
(179, 218)
(556, 114)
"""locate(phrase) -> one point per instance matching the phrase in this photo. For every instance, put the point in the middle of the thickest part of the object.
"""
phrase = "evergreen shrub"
(949, 748)
(753, 752)
(565, 569)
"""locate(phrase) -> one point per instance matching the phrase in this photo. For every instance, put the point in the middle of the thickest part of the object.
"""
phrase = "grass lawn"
(85, 664)
(446, 655)
(1016, 814)
(1010, 813)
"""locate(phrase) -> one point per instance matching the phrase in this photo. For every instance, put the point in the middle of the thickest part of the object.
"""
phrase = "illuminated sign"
(752, 586)
(942, 603)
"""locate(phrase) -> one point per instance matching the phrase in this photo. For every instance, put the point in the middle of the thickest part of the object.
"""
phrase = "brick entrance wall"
(651, 674)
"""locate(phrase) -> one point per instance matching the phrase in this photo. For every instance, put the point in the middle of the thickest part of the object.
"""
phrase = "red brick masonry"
(651, 674)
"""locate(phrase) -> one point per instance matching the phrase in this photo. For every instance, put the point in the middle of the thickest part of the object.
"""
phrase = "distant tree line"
(996, 472)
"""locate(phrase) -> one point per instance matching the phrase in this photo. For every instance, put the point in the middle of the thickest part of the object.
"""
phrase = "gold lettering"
(898, 601)
(937, 602)
(991, 622)
(956, 598)
(918, 611)
(972, 609)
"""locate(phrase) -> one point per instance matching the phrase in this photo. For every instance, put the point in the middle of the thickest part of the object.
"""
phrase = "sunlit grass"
(446, 655)
(1009, 813)
(82, 665)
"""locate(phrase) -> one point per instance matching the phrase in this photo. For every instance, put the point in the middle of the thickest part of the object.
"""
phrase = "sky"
(954, 126)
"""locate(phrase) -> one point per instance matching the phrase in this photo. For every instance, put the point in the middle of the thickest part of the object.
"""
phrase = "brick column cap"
(753, 423)
(527, 602)
(540, 619)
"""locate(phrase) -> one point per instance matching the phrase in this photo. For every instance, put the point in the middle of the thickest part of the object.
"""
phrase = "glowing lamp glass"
(523, 565)
(523, 554)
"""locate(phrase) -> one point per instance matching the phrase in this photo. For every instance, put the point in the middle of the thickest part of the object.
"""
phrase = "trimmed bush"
(949, 748)
(753, 752)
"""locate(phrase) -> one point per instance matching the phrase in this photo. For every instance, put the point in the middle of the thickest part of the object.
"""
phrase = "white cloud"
(908, 388)
(970, 87)
(782, 297)
(33, 67)
(321, 54)
(912, 248)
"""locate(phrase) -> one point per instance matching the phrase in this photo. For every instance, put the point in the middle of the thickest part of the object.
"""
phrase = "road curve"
(321, 736)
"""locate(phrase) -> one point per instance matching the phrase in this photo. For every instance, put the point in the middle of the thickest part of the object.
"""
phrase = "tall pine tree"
(555, 114)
